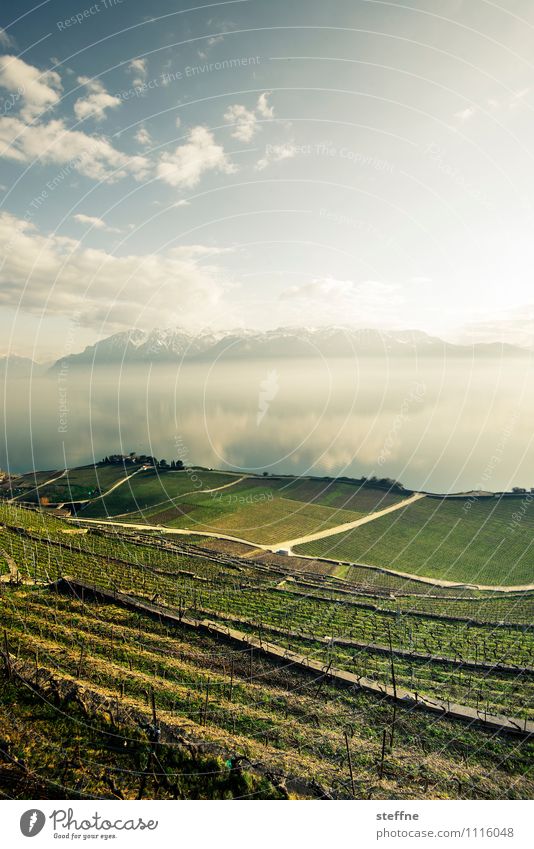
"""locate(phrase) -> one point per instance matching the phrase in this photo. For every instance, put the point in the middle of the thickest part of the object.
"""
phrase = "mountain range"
(173, 345)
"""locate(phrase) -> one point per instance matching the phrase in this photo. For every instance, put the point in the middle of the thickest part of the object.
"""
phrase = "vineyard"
(94, 747)
(292, 726)
(154, 490)
(263, 522)
(256, 509)
(489, 541)
(73, 485)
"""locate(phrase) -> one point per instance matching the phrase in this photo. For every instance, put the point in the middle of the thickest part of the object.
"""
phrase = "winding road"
(348, 526)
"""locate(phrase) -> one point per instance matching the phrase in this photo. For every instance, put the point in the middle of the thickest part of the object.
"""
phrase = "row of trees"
(141, 460)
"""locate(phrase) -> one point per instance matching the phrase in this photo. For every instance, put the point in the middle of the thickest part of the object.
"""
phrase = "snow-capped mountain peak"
(175, 344)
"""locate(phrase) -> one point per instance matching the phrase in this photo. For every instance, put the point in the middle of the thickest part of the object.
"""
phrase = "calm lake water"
(433, 424)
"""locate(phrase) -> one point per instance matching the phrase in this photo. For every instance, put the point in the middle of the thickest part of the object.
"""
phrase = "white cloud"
(512, 326)
(203, 53)
(191, 160)
(518, 98)
(97, 101)
(5, 39)
(178, 121)
(210, 42)
(24, 139)
(264, 109)
(245, 121)
(139, 68)
(511, 102)
(38, 90)
(275, 153)
(143, 136)
(94, 221)
(465, 114)
(325, 287)
(58, 274)
(94, 156)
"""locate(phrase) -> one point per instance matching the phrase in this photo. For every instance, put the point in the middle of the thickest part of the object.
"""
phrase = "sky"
(262, 164)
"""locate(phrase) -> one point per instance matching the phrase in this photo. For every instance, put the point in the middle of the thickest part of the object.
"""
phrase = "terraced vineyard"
(153, 491)
(263, 522)
(276, 718)
(292, 724)
(75, 484)
(486, 541)
(120, 759)
(256, 509)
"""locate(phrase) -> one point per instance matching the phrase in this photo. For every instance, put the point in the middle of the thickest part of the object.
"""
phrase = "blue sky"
(260, 164)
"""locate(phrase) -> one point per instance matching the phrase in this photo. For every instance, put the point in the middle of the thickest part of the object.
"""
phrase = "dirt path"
(163, 530)
(111, 489)
(38, 487)
(347, 526)
(79, 500)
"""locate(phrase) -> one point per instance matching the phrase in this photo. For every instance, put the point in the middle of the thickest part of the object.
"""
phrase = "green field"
(76, 484)
(264, 511)
(262, 522)
(484, 542)
(22, 484)
(153, 491)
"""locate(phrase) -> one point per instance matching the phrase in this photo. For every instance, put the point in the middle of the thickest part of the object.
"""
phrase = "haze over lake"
(436, 424)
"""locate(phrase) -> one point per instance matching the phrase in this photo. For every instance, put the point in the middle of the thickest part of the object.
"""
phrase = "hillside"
(239, 658)
(473, 539)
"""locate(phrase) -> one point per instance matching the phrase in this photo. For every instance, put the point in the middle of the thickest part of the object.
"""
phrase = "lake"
(435, 424)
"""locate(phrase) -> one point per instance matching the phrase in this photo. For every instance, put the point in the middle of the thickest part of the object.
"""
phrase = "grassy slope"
(342, 495)
(444, 539)
(152, 491)
(260, 521)
(76, 484)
